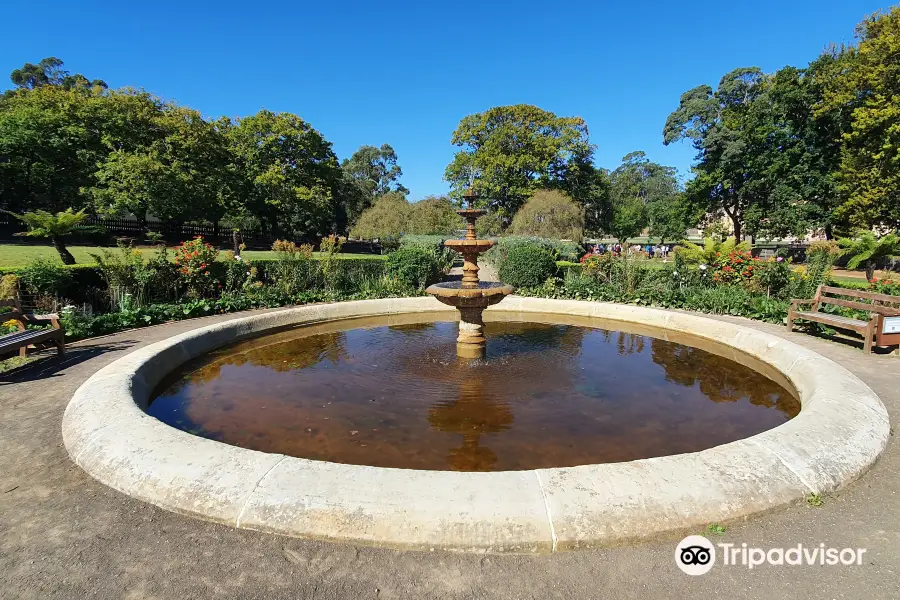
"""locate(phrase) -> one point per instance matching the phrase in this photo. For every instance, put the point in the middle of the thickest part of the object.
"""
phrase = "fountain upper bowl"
(462, 245)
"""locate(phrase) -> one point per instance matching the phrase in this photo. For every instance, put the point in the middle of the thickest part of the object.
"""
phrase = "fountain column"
(470, 296)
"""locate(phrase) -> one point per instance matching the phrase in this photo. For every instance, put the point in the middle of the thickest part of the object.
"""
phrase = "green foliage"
(195, 261)
(47, 278)
(179, 174)
(292, 272)
(435, 244)
(489, 224)
(710, 251)
(866, 86)
(820, 257)
(435, 215)
(127, 276)
(9, 286)
(50, 72)
(386, 220)
(549, 214)
(775, 277)
(414, 266)
(288, 173)
(644, 194)
(44, 224)
(560, 250)
(527, 265)
(375, 170)
(868, 250)
(509, 152)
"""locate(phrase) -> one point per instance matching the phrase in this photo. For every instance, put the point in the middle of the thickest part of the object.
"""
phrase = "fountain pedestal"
(470, 296)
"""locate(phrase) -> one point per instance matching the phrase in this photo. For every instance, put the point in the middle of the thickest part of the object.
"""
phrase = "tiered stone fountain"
(470, 296)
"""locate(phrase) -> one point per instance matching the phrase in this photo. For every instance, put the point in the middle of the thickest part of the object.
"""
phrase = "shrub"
(434, 244)
(489, 224)
(773, 277)
(46, 278)
(820, 257)
(527, 266)
(292, 272)
(434, 215)
(386, 220)
(9, 286)
(560, 250)
(735, 266)
(330, 247)
(710, 251)
(195, 260)
(549, 214)
(413, 266)
(127, 277)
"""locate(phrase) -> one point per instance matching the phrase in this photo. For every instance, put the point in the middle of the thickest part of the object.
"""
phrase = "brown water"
(553, 392)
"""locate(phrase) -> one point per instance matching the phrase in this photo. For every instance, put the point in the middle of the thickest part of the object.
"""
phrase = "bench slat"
(877, 308)
(836, 320)
(14, 340)
(861, 294)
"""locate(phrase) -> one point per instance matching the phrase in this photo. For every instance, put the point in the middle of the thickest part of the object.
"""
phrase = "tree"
(435, 215)
(47, 150)
(867, 86)
(657, 188)
(721, 128)
(181, 175)
(549, 214)
(290, 173)
(867, 250)
(802, 143)
(509, 152)
(52, 139)
(43, 224)
(375, 169)
(386, 219)
(50, 72)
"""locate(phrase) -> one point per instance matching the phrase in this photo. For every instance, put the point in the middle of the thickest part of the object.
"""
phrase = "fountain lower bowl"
(487, 293)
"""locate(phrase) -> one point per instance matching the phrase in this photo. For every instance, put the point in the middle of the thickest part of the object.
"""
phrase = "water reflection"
(471, 415)
(391, 392)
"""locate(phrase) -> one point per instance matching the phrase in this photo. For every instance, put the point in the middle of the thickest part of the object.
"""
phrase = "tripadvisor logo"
(696, 555)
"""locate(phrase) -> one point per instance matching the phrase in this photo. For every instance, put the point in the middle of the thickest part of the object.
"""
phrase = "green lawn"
(14, 255)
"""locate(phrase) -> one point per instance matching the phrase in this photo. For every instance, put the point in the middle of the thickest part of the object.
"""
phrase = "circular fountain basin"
(840, 431)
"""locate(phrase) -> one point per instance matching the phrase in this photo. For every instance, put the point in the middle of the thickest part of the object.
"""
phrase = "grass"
(15, 362)
(815, 500)
(16, 255)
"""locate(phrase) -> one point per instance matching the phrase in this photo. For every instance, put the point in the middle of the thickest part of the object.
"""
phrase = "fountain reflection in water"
(470, 296)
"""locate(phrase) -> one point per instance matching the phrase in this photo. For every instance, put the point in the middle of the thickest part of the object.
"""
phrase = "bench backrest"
(884, 304)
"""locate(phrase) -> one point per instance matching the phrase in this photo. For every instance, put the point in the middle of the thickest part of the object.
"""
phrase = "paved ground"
(63, 535)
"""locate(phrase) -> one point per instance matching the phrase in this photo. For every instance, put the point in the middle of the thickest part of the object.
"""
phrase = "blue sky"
(405, 73)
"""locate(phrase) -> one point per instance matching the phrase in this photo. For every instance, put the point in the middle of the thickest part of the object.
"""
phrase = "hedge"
(87, 279)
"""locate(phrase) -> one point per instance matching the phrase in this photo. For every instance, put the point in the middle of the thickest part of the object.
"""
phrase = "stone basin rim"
(840, 432)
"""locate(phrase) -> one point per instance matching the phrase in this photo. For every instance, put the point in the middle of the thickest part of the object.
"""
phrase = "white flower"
(675, 273)
(702, 267)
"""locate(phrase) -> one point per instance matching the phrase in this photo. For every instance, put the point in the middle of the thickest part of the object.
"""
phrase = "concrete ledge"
(840, 432)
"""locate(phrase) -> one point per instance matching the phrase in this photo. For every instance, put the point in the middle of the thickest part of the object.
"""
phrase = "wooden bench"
(39, 338)
(882, 328)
